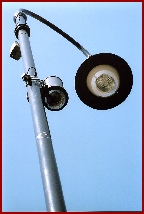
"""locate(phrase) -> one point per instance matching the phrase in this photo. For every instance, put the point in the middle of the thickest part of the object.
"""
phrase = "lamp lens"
(103, 80)
(105, 83)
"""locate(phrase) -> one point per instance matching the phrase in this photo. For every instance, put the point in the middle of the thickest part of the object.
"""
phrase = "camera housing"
(15, 52)
(54, 96)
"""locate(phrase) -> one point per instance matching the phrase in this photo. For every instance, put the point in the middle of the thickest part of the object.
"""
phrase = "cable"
(58, 30)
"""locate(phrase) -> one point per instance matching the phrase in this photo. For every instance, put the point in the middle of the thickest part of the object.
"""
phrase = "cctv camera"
(54, 96)
(15, 52)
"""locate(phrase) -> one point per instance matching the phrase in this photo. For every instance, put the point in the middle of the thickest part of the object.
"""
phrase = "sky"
(98, 152)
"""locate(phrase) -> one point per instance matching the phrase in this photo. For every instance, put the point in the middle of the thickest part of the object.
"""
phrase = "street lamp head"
(103, 81)
(54, 96)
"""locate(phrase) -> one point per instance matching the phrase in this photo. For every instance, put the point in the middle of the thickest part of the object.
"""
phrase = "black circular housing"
(97, 102)
(54, 101)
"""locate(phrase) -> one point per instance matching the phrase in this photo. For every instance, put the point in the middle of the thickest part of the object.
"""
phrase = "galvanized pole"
(49, 172)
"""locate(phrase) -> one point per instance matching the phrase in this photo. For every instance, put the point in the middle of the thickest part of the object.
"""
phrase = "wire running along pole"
(58, 30)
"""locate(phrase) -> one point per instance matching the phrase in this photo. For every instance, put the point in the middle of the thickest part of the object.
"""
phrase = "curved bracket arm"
(58, 30)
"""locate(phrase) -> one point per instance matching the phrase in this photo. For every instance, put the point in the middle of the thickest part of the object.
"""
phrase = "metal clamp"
(29, 79)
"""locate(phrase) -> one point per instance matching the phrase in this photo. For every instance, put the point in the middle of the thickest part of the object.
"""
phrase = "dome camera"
(15, 52)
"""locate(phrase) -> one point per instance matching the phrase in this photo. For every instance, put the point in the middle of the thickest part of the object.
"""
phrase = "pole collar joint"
(22, 27)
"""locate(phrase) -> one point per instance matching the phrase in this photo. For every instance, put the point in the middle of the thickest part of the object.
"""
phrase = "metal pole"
(49, 171)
